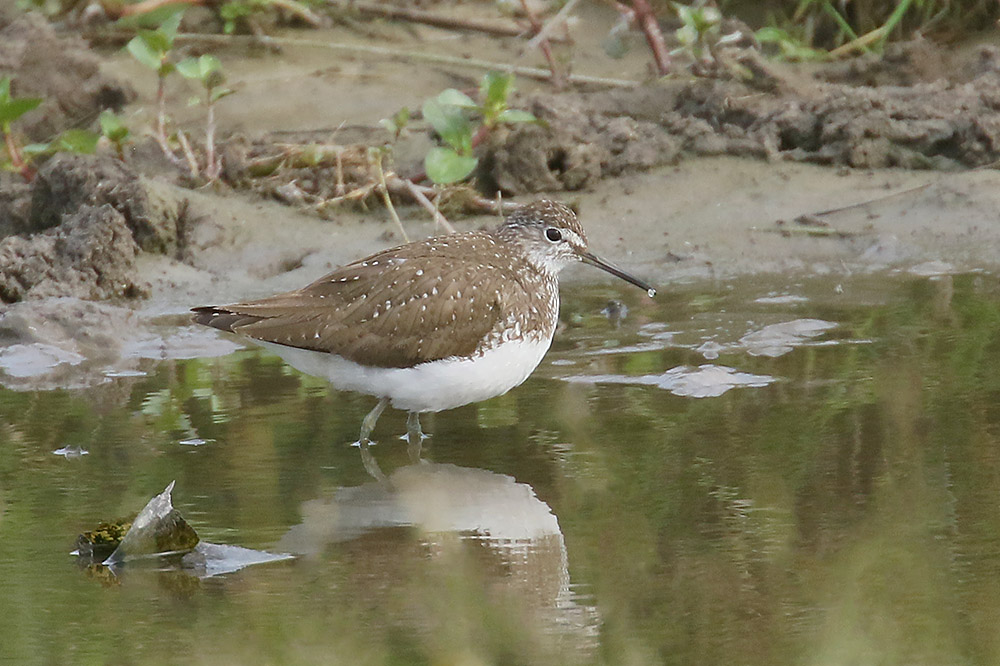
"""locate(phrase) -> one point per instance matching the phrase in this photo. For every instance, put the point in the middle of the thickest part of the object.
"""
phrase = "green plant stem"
(893, 21)
(841, 22)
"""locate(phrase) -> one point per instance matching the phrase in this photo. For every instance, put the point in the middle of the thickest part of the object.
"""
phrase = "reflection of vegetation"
(828, 493)
(847, 511)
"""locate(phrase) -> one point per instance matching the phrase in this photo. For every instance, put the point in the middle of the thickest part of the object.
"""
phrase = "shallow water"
(831, 497)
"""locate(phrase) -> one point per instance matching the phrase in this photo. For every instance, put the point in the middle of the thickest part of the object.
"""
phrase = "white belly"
(428, 387)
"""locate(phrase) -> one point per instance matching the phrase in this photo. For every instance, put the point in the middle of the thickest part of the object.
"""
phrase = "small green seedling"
(115, 131)
(495, 91)
(207, 70)
(152, 48)
(396, 125)
(463, 124)
(700, 29)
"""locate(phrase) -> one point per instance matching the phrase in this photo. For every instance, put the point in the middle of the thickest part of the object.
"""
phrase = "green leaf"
(12, 109)
(686, 34)
(495, 89)
(77, 141)
(219, 93)
(772, 34)
(157, 40)
(143, 52)
(209, 65)
(516, 116)
(444, 165)
(684, 13)
(457, 98)
(207, 69)
(33, 149)
(450, 123)
(170, 26)
(189, 68)
(112, 127)
(397, 122)
(5, 89)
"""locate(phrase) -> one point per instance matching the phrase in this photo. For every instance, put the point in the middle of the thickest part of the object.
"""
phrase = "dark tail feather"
(222, 319)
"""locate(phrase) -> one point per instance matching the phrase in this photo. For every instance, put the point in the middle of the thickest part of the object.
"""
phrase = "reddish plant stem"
(161, 124)
(213, 167)
(16, 160)
(558, 80)
(650, 27)
(117, 10)
(480, 135)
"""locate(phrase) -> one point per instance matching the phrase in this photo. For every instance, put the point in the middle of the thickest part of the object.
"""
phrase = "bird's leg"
(368, 423)
(414, 436)
(371, 466)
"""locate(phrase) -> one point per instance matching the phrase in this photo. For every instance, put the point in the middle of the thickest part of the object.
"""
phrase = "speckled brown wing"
(396, 308)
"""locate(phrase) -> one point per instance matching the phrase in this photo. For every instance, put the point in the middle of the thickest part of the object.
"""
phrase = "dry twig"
(536, 73)
(558, 82)
(417, 193)
(503, 29)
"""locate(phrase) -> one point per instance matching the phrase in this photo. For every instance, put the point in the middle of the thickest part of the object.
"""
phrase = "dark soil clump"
(940, 124)
(79, 227)
(90, 255)
(70, 181)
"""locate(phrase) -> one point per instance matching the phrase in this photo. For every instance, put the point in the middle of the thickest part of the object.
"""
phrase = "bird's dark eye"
(553, 234)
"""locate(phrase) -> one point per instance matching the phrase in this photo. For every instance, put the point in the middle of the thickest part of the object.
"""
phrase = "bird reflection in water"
(429, 521)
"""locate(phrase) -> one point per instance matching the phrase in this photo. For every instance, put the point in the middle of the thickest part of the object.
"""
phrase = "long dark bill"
(594, 260)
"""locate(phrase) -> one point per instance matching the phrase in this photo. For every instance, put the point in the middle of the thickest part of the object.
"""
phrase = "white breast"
(428, 387)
